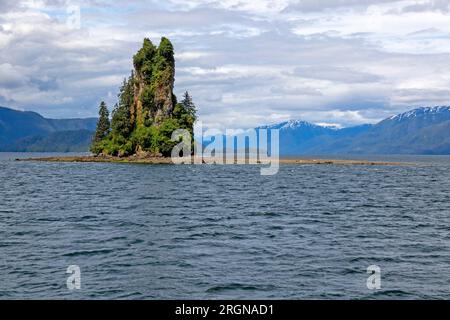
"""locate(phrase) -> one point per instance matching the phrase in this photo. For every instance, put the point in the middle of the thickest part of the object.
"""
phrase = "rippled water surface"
(162, 231)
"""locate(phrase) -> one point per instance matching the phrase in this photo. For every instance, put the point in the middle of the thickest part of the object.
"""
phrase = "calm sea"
(224, 232)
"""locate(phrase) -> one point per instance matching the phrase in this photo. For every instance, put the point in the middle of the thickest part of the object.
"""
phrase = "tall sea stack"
(154, 73)
(147, 112)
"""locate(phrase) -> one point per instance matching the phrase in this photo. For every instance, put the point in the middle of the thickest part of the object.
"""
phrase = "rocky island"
(148, 111)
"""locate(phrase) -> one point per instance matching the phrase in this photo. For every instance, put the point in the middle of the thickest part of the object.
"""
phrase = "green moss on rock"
(147, 112)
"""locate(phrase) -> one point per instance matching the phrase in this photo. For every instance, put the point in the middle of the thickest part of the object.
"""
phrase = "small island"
(148, 112)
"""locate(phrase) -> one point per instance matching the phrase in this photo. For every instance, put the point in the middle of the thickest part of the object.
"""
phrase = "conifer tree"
(188, 104)
(147, 111)
(121, 118)
(103, 127)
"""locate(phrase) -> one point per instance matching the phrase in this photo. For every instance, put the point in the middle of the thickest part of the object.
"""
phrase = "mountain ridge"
(30, 131)
(424, 130)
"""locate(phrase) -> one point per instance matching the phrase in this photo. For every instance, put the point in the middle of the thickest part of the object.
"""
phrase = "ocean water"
(224, 232)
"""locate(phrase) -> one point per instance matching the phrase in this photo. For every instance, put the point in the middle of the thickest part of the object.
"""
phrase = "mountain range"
(419, 131)
(30, 132)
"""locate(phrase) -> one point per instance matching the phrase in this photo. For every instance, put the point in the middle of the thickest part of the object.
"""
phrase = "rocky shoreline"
(166, 160)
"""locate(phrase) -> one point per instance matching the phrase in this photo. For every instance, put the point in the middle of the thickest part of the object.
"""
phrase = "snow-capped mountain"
(291, 125)
(425, 112)
(419, 131)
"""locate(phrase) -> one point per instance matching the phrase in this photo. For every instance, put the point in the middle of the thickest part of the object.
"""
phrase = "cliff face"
(154, 77)
(147, 112)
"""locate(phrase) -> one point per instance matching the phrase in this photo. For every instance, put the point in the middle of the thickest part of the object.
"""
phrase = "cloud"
(336, 74)
(430, 5)
(11, 77)
(7, 5)
(316, 6)
(417, 96)
(246, 63)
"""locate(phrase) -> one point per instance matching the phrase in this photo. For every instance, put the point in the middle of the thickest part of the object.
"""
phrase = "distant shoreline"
(165, 160)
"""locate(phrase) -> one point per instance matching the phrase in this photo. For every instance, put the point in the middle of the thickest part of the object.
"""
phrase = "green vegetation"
(147, 112)
(102, 130)
(58, 141)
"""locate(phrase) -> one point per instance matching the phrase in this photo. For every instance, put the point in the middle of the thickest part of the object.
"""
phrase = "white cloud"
(246, 63)
(190, 55)
(11, 76)
(386, 25)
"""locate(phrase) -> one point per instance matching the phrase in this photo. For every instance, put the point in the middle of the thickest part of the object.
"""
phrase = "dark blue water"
(162, 231)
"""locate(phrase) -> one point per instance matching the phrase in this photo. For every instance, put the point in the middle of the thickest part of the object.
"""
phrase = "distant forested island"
(26, 131)
(147, 112)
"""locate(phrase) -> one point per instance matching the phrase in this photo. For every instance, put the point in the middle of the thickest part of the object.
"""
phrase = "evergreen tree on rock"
(103, 127)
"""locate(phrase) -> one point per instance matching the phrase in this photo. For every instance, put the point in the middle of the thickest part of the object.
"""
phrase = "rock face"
(147, 112)
(154, 77)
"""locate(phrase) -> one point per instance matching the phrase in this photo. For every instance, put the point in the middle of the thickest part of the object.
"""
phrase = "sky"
(246, 63)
